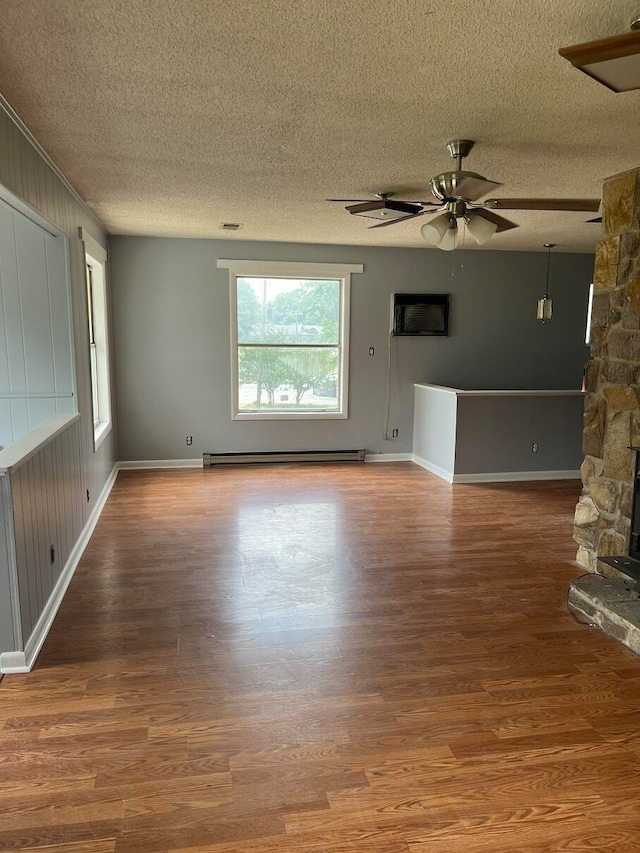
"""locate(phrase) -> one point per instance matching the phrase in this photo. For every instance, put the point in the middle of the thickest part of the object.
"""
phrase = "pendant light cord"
(546, 287)
(548, 247)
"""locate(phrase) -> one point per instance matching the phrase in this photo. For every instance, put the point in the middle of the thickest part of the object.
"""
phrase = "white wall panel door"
(36, 362)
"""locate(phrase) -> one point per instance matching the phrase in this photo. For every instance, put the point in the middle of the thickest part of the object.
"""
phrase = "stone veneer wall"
(612, 380)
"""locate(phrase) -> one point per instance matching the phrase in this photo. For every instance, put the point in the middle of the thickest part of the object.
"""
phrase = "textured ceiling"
(173, 116)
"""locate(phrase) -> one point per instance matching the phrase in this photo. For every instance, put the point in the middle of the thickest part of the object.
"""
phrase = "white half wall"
(498, 436)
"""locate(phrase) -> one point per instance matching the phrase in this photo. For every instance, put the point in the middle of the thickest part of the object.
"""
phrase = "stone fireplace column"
(612, 379)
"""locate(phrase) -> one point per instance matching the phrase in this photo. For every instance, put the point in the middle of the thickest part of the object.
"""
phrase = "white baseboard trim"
(14, 662)
(154, 464)
(516, 476)
(388, 457)
(497, 477)
(11, 662)
(433, 468)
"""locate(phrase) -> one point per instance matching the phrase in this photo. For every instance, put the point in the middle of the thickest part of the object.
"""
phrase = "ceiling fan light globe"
(450, 239)
(481, 229)
(434, 231)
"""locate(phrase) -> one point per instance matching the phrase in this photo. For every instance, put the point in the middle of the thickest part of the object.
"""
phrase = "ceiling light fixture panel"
(385, 209)
(614, 62)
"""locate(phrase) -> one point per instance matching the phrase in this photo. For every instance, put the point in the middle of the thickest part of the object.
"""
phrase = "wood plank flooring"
(346, 659)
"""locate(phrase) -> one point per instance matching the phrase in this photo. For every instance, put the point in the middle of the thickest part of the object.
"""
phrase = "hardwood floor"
(336, 658)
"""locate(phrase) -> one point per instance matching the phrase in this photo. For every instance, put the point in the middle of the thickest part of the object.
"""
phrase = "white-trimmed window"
(587, 336)
(289, 339)
(95, 269)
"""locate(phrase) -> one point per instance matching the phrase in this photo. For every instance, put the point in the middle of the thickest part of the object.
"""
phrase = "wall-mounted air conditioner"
(418, 314)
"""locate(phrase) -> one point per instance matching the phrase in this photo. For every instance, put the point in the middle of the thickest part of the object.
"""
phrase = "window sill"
(290, 416)
(100, 432)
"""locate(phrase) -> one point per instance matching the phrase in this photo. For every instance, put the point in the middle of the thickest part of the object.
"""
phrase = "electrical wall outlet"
(189, 440)
(534, 447)
(372, 351)
(394, 433)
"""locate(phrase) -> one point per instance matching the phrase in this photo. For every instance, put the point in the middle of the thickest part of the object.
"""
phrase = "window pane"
(282, 379)
(288, 311)
(92, 339)
(95, 399)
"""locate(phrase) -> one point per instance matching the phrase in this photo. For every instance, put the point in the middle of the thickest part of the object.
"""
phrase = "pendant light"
(545, 304)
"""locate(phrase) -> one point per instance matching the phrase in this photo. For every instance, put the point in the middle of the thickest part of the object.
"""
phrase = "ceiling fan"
(455, 195)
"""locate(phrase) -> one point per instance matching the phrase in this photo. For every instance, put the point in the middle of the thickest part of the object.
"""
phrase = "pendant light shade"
(544, 310)
(480, 228)
(434, 231)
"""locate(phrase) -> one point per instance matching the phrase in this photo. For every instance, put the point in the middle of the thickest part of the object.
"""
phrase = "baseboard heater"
(269, 456)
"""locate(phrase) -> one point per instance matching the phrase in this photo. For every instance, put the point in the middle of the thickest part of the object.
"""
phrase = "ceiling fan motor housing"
(455, 185)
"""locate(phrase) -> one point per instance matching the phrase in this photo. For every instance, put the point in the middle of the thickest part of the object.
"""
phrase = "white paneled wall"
(59, 494)
(36, 367)
(48, 512)
(9, 638)
(27, 175)
(42, 517)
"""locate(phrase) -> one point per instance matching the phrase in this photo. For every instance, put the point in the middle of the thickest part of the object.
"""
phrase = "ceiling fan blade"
(432, 202)
(502, 223)
(587, 204)
(471, 188)
(404, 219)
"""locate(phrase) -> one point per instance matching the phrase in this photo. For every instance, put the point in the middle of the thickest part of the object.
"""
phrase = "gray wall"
(171, 326)
(495, 434)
